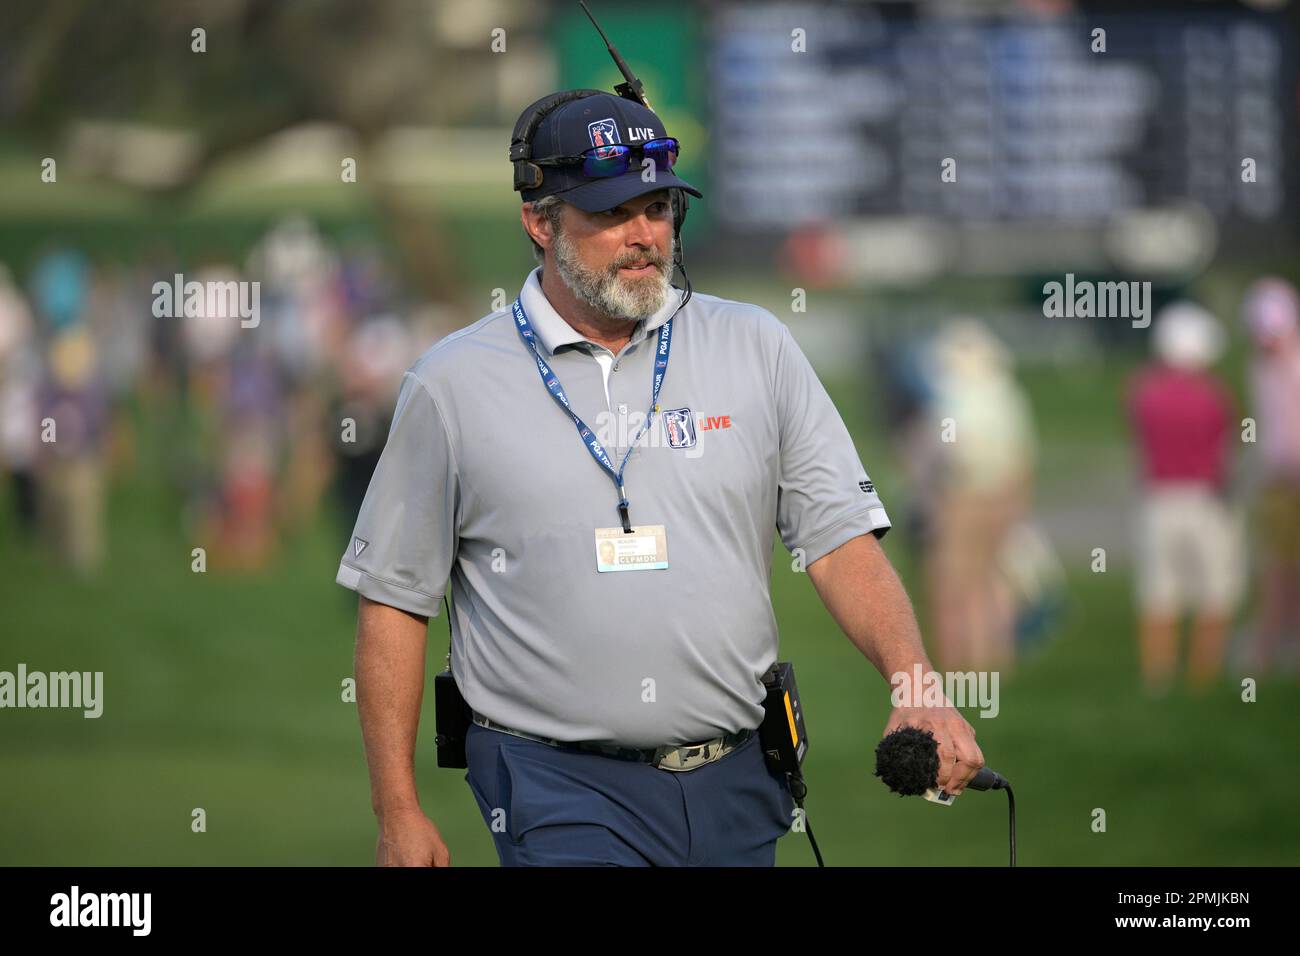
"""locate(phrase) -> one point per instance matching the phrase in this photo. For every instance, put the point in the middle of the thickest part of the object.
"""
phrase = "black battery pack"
(452, 718)
(783, 736)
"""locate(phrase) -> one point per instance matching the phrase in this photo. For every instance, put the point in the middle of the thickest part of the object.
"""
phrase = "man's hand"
(959, 756)
(409, 838)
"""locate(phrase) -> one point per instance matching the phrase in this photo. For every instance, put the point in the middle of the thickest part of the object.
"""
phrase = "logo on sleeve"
(358, 546)
(603, 132)
(679, 428)
(867, 486)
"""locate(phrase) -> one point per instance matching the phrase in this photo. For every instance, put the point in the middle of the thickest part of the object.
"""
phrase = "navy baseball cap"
(600, 119)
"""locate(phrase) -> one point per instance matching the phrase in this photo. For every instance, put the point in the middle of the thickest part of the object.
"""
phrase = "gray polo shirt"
(485, 479)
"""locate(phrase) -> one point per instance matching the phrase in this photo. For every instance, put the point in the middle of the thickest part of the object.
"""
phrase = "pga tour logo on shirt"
(679, 428)
(603, 132)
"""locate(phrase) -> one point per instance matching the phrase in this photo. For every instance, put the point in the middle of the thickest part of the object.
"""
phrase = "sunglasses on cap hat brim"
(615, 159)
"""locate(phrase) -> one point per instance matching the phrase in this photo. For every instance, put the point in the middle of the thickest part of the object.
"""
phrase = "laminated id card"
(645, 549)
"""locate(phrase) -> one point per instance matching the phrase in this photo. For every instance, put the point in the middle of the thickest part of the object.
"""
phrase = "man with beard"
(615, 702)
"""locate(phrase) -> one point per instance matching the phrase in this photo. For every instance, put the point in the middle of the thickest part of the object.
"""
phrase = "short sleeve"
(825, 497)
(404, 541)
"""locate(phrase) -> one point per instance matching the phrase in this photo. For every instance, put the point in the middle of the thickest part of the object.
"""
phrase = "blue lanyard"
(597, 450)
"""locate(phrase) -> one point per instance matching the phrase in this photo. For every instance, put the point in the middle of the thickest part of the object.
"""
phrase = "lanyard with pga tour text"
(597, 450)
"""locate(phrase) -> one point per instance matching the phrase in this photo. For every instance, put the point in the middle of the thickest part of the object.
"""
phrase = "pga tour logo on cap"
(603, 132)
(679, 428)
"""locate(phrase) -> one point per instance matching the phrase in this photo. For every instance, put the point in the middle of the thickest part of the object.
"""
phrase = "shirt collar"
(552, 331)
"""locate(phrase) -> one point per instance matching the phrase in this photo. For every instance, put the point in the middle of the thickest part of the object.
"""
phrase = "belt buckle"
(685, 758)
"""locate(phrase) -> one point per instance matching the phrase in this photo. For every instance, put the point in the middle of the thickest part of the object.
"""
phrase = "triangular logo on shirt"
(358, 546)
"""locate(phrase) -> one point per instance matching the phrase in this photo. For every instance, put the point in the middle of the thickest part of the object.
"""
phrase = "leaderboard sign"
(1030, 118)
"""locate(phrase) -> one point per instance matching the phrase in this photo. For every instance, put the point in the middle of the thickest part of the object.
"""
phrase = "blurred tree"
(268, 65)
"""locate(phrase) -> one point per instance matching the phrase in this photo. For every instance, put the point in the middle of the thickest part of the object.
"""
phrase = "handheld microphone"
(907, 761)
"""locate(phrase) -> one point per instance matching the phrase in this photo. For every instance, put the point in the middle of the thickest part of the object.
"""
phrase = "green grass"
(224, 692)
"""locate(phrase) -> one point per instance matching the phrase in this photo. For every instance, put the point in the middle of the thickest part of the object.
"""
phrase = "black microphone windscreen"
(907, 760)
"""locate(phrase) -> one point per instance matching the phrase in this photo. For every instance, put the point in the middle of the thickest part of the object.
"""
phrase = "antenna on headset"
(633, 88)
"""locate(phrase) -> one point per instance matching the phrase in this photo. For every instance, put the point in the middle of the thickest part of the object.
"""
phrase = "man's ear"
(536, 224)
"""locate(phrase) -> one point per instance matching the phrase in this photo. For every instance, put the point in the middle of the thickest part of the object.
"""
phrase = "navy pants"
(548, 807)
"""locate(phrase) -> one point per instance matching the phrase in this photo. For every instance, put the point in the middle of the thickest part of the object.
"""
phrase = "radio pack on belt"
(451, 713)
(782, 733)
(452, 718)
(784, 737)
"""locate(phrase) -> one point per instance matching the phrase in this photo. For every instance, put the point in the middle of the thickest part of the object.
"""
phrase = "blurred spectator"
(20, 383)
(370, 368)
(302, 295)
(121, 332)
(60, 283)
(1188, 555)
(306, 303)
(72, 472)
(1272, 314)
(903, 405)
(983, 490)
(251, 436)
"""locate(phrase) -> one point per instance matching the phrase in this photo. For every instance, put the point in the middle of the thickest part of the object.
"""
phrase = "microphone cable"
(1011, 807)
(799, 790)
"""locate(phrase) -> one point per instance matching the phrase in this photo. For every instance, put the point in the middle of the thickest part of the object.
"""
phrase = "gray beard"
(612, 295)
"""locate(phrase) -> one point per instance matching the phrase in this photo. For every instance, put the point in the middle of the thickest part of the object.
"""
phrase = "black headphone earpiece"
(529, 175)
(680, 203)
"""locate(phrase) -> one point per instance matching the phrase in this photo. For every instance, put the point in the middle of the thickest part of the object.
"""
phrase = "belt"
(684, 757)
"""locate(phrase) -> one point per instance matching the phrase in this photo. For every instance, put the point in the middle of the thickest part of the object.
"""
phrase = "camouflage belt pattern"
(680, 758)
